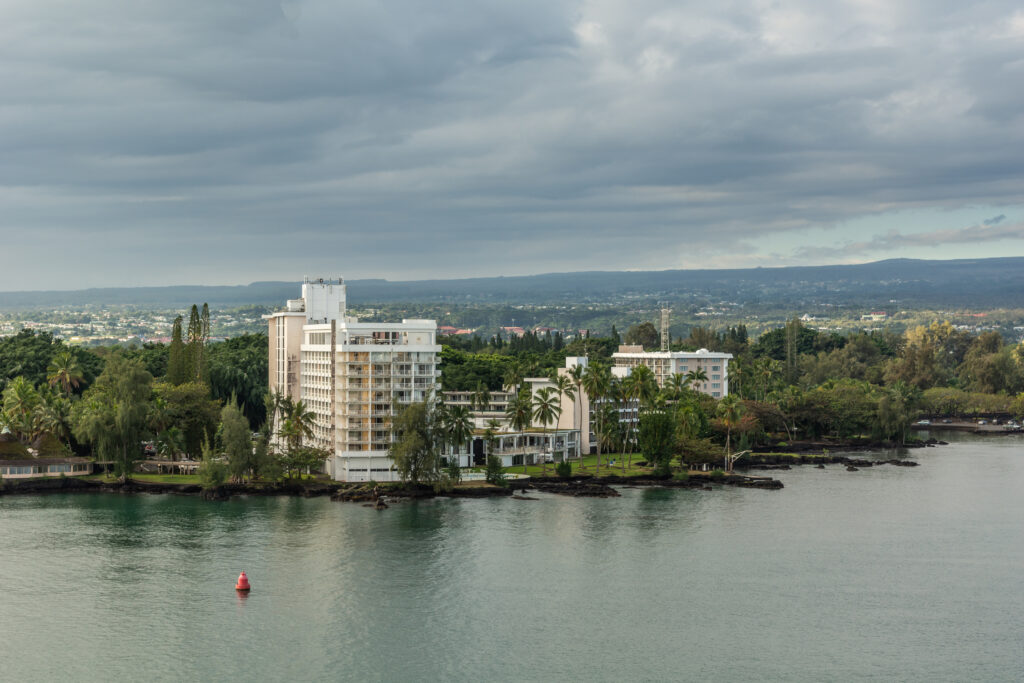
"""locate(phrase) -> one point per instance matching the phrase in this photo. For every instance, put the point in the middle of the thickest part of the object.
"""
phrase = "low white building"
(566, 438)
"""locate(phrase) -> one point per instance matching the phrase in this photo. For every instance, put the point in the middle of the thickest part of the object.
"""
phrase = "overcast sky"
(220, 142)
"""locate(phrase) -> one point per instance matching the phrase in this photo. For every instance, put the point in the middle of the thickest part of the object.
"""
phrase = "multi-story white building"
(352, 375)
(664, 364)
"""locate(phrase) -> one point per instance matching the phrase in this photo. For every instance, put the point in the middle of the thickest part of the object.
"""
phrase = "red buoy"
(243, 583)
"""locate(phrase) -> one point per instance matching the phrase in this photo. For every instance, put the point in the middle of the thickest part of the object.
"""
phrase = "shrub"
(564, 470)
(782, 444)
(212, 474)
(682, 476)
(717, 475)
(271, 469)
(662, 469)
(495, 472)
(453, 470)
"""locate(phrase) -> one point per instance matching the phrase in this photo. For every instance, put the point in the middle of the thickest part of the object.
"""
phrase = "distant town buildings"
(453, 331)
(351, 375)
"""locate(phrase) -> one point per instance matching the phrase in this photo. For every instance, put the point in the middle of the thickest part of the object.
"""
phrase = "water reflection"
(869, 574)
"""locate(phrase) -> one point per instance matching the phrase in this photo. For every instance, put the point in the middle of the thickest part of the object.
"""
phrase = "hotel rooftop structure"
(664, 364)
(352, 375)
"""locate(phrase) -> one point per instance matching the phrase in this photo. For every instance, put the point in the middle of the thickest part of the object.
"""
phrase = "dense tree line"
(793, 382)
(106, 401)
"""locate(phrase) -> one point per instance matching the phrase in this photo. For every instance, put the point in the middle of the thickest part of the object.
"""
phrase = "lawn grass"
(588, 466)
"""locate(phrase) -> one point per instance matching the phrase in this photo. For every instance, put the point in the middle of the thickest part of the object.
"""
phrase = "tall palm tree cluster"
(453, 426)
(289, 424)
(29, 412)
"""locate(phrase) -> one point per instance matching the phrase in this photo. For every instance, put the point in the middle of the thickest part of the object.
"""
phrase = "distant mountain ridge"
(992, 282)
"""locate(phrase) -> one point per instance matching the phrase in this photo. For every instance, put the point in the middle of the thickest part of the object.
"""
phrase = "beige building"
(664, 364)
(352, 375)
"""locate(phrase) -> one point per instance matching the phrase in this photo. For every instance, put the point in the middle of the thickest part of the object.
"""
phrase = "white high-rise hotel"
(352, 375)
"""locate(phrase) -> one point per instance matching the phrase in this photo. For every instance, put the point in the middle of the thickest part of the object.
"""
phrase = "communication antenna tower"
(665, 312)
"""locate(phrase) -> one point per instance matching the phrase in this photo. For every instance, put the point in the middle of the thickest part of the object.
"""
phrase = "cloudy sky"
(222, 142)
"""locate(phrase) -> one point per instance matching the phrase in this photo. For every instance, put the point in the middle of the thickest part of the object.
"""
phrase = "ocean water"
(883, 574)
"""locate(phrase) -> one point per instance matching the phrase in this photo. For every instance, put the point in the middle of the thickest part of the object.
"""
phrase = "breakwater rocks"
(360, 493)
(844, 445)
(785, 462)
(579, 488)
(583, 485)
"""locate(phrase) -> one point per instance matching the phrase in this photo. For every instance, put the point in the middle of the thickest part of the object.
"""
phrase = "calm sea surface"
(884, 574)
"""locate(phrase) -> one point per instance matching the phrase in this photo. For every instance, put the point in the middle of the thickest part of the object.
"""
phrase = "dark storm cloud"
(237, 141)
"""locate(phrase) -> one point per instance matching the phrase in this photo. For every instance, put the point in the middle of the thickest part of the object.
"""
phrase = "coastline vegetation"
(791, 384)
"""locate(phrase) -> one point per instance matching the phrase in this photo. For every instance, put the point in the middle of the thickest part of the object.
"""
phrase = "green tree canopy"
(414, 448)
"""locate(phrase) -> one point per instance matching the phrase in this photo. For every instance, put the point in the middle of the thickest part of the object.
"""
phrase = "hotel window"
(716, 385)
(716, 394)
(716, 368)
(716, 377)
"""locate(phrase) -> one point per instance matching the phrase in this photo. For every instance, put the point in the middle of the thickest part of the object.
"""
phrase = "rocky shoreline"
(785, 462)
(824, 446)
(578, 486)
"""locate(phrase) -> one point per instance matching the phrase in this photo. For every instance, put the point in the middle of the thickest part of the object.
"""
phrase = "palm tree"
(765, 369)
(576, 375)
(519, 414)
(619, 397)
(640, 388)
(20, 401)
(491, 435)
(609, 429)
(170, 442)
(688, 419)
(646, 385)
(564, 387)
(696, 377)
(730, 410)
(547, 406)
(481, 397)
(298, 422)
(53, 415)
(736, 374)
(596, 382)
(513, 377)
(675, 385)
(65, 371)
(459, 427)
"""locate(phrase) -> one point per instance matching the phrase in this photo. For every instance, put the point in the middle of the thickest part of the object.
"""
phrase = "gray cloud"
(237, 141)
(986, 231)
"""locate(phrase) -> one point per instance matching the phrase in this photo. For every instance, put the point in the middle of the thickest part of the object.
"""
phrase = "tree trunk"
(728, 449)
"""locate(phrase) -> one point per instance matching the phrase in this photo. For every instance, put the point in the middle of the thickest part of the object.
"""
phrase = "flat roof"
(703, 353)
